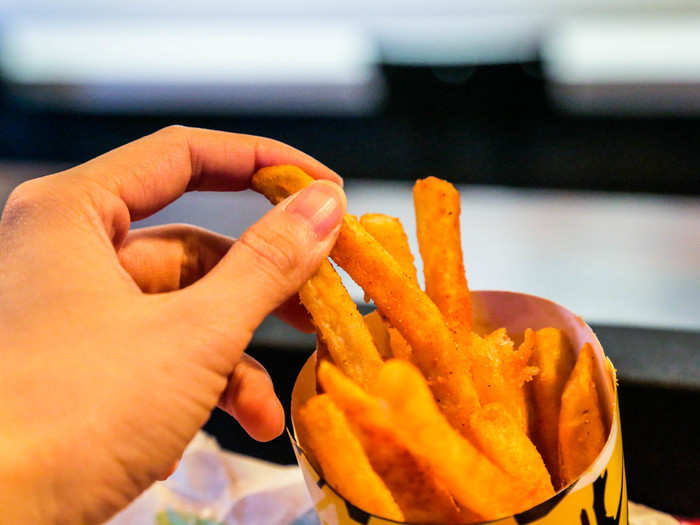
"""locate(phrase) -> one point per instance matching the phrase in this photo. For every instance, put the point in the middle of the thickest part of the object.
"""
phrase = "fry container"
(598, 496)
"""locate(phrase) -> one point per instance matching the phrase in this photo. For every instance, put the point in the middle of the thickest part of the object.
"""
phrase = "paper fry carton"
(597, 497)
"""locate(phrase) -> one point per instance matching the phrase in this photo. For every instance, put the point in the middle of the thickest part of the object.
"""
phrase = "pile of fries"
(418, 418)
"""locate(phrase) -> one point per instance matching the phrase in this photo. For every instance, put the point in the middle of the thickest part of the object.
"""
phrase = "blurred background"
(571, 128)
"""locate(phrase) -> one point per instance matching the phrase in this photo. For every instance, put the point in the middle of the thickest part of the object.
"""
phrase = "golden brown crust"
(582, 432)
(349, 472)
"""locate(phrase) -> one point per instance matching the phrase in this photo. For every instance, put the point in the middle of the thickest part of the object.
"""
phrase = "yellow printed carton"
(597, 497)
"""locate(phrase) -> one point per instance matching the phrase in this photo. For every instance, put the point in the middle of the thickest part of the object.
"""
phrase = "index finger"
(153, 171)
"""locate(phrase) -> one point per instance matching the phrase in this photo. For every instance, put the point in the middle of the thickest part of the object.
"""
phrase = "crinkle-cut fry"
(380, 334)
(437, 206)
(555, 359)
(341, 325)
(582, 431)
(475, 482)
(411, 480)
(398, 299)
(390, 234)
(500, 371)
(342, 459)
(500, 437)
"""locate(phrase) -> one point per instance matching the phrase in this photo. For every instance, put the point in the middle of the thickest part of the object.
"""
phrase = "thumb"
(270, 261)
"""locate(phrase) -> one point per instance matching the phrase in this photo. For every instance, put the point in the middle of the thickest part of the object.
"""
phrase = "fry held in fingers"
(340, 325)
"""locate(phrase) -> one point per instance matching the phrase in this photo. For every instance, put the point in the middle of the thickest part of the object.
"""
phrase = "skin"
(115, 345)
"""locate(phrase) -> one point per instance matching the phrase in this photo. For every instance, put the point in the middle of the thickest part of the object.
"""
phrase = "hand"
(102, 385)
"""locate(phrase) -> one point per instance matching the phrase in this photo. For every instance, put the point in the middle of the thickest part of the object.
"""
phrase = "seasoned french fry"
(437, 222)
(341, 325)
(333, 311)
(277, 183)
(582, 431)
(322, 354)
(399, 346)
(380, 334)
(398, 299)
(390, 234)
(411, 480)
(504, 442)
(500, 371)
(475, 482)
(491, 360)
(343, 461)
(414, 315)
(554, 358)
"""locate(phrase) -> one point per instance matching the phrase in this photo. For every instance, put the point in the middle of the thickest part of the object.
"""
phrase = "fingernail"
(320, 204)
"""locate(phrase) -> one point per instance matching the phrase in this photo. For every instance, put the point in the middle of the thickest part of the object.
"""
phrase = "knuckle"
(272, 252)
(24, 200)
(173, 130)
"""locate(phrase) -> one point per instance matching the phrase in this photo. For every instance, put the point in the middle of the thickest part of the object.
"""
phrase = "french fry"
(333, 311)
(411, 480)
(343, 461)
(475, 482)
(398, 299)
(491, 360)
(391, 235)
(380, 335)
(322, 354)
(500, 371)
(341, 325)
(399, 346)
(414, 315)
(277, 183)
(555, 359)
(504, 442)
(582, 431)
(437, 223)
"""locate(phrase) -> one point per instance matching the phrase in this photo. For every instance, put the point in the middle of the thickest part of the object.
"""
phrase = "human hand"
(102, 385)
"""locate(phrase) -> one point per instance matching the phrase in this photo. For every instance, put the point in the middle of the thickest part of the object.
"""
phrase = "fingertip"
(273, 425)
(334, 177)
(321, 205)
(250, 398)
(262, 419)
